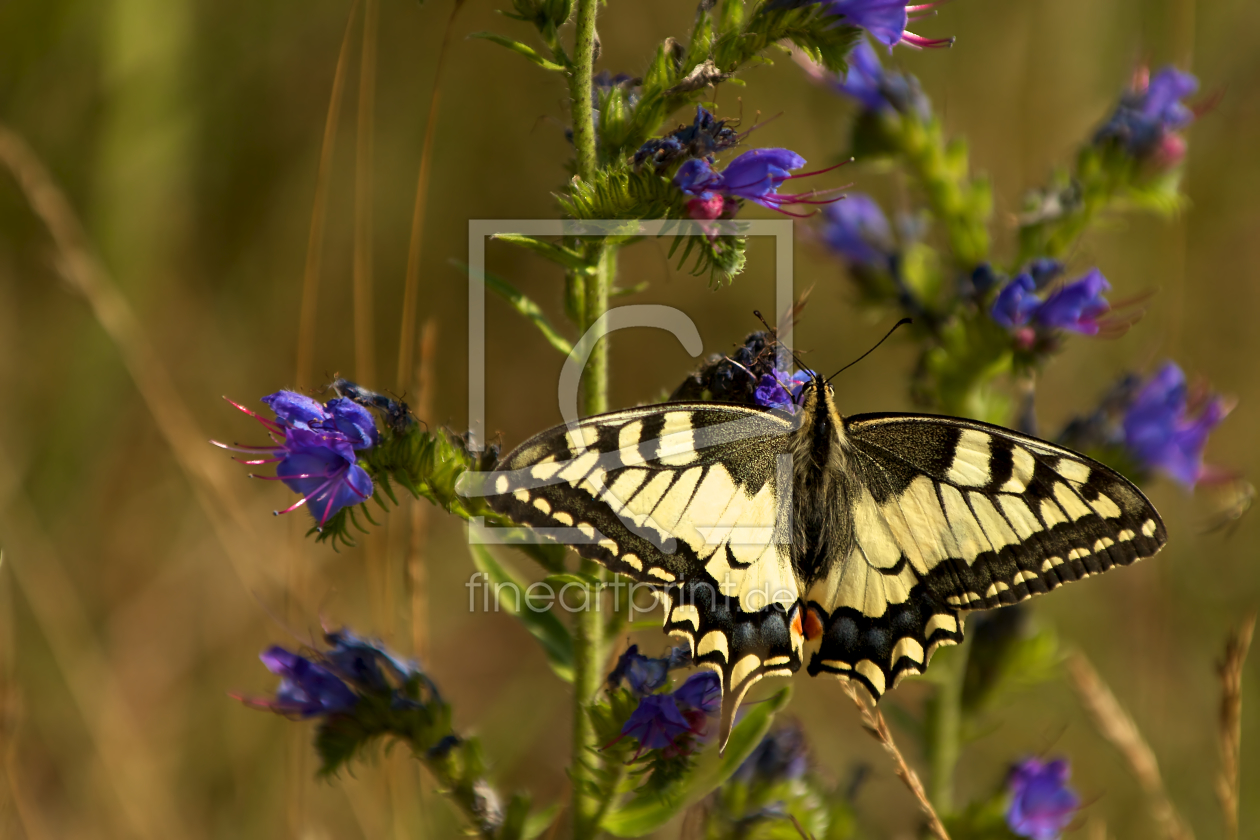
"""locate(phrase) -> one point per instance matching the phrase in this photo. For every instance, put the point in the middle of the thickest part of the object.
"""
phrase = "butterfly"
(763, 529)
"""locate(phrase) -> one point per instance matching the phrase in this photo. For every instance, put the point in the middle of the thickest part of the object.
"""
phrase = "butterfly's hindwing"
(741, 646)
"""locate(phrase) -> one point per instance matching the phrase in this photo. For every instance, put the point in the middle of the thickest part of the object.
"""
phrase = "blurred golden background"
(142, 572)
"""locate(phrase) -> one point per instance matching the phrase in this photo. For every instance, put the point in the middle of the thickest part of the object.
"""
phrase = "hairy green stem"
(580, 90)
(588, 641)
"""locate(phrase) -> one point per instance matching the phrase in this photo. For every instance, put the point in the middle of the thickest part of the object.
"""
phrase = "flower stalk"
(588, 642)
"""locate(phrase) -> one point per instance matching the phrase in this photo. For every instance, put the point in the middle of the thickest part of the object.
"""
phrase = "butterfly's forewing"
(954, 515)
(685, 497)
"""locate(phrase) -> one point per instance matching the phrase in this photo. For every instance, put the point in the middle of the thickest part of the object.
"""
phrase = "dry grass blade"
(411, 282)
(123, 744)
(416, 568)
(1114, 723)
(1231, 671)
(365, 142)
(319, 215)
(86, 275)
(875, 724)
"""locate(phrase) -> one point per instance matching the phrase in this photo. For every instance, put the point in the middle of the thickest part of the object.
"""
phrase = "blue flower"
(1145, 122)
(1163, 433)
(366, 663)
(645, 674)
(1076, 306)
(885, 20)
(702, 692)
(1164, 93)
(657, 722)
(777, 390)
(782, 754)
(876, 88)
(306, 689)
(756, 176)
(857, 229)
(314, 450)
(1015, 304)
(1042, 804)
(1044, 270)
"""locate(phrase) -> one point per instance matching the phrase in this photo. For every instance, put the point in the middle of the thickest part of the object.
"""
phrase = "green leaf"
(556, 641)
(540, 821)
(524, 306)
(528, 52)
(556, 253)
(646, 813)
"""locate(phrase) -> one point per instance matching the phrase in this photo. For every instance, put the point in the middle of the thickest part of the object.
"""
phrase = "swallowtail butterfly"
(872, 534)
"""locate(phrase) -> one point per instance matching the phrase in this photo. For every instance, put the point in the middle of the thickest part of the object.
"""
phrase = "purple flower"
(1042, 804)
(306, 688)
(656, 722)
(645, 674)
(366, 663)
(885, 20)
(314, 448)
(1044, 270)
(756, 175)
(857, 229)
(1016, 303)
(1164, 93)
(696, 177)
(777, 390)
(876, 88)
(782, 754)
(1076, 306)
(1145, 122)
(702, 692)
(1162, 431)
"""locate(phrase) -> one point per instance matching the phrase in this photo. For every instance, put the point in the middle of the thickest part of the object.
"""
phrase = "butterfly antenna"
(900, 323)
(775, 334)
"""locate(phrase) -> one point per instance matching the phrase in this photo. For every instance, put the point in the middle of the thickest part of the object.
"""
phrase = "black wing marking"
(960, 515)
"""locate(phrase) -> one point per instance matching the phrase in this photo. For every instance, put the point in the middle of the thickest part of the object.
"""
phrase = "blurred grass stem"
(364, 335)
(1231, 672)
(1118, 727)
(873, 722)
(122, 741)
(307, 318)
(417, 569)
(415, 246)
(83, 271)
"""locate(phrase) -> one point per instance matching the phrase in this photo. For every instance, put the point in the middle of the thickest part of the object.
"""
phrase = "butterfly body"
(762, 530)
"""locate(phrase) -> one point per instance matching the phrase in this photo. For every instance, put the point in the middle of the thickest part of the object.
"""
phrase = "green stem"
(945, 728)
(580, 90)
(588, 641)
